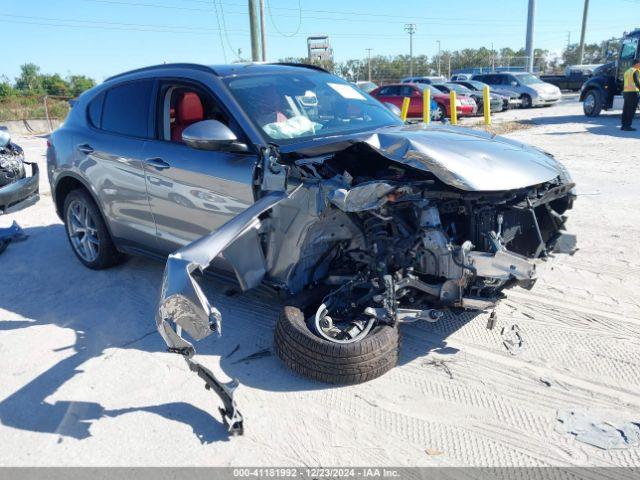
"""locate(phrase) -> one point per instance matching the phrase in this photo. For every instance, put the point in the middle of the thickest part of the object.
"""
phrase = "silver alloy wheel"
(82, 231)
(589, 103)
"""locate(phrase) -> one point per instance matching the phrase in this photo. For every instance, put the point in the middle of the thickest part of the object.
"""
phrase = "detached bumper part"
(22, 193)
(183, 303)
(12, 234)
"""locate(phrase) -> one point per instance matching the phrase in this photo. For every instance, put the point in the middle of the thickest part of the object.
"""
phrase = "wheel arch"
(68, 183)
(590, 87)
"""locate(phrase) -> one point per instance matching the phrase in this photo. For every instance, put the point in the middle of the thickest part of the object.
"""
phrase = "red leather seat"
(188, 111)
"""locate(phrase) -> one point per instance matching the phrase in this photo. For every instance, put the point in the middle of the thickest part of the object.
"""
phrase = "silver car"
(291, 178)
(533, 91)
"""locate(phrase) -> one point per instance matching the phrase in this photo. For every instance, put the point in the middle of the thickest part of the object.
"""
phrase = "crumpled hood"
(470, 160)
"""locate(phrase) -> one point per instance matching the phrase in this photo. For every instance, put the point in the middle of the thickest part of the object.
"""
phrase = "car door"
(415, 96)
(192, 192)
(390, 94)
(109, 155)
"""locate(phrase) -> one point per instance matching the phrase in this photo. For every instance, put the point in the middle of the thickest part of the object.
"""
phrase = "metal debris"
(512, 339)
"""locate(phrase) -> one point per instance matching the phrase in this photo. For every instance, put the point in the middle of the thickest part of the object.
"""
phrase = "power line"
(224, 53)
(226, 34)
(275, 27)
(443, 21)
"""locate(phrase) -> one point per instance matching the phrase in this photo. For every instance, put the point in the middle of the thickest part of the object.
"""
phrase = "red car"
(395, 93)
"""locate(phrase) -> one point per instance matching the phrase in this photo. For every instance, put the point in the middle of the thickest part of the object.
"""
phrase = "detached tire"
(328, 362)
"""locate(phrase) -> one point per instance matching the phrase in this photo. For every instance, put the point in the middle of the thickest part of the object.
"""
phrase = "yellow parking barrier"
(405, 109)
(426, 106)
(453, 107)
(487, 105)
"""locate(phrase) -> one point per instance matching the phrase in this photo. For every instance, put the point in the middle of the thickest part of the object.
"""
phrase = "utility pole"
(410, 28)
(493, 58)
(585, 13)
(439, 50)
(263, 33)
(568, 40)
(253, 24)
(530, 32)
(369, 62)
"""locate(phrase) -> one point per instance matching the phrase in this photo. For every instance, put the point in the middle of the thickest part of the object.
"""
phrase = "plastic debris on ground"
(606, 434)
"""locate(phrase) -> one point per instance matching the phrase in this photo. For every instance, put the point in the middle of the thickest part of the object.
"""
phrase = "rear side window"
(95, 110)
(126, 109)
(388, 91)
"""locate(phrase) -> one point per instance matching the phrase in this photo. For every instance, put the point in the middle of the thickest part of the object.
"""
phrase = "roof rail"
(303, 65)
(163, 66)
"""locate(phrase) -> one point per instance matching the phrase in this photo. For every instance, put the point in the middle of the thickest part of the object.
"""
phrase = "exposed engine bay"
(407, 246)
(390, 229)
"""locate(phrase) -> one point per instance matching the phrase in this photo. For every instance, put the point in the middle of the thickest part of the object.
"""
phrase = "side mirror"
(212, 135)
(514, 84)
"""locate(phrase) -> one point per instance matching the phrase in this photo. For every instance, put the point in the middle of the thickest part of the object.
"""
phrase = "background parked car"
(395, 93)
(425, 80)
(478, 97)
(533, 91)
(461, 76)
(510, 99)
(366, 86)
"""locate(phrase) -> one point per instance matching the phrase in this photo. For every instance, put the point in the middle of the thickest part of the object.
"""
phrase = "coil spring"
(377, 232)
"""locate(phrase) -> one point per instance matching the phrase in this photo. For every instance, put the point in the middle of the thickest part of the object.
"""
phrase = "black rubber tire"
(598, 103)
(526, 101)
(328, 362)
(108, 255)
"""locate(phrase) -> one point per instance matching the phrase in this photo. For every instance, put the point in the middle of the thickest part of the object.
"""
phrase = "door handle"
(157, 163)
(85, 148)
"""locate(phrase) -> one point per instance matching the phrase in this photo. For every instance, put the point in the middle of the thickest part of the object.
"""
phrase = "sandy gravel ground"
(85, 379)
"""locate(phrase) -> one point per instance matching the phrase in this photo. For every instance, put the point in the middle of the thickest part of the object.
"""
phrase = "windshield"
(528, 79)
(440, 88)
(475, 84)
(461, 89)
(307, 105)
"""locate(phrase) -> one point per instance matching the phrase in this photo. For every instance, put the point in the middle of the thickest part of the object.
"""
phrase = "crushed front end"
(390, 228)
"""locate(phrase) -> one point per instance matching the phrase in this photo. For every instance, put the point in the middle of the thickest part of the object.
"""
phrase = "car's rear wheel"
(87, 232)
(592, 104)
(440, 114)
(303, 350)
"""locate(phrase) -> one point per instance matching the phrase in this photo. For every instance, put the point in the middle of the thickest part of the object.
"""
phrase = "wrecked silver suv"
(362, 221)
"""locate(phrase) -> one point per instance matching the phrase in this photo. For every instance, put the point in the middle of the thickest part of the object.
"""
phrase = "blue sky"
(103, 37)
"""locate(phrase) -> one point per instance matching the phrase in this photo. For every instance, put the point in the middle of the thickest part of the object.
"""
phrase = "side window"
(126, 109)
(509, 79)
(406, 91)
(629, 49)
(94, 110)
(182, 105)
(389, 91)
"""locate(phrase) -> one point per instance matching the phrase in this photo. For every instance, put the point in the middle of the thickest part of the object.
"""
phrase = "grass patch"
(31, 108)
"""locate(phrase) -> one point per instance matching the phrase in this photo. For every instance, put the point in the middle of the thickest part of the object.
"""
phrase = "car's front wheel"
(592, 104)
(300, 346)
(526, 101)
(87, 232)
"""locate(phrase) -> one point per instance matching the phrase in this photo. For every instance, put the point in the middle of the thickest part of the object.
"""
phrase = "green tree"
(79, 83)
(6, 90)
(30, 80)
(55, 85)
